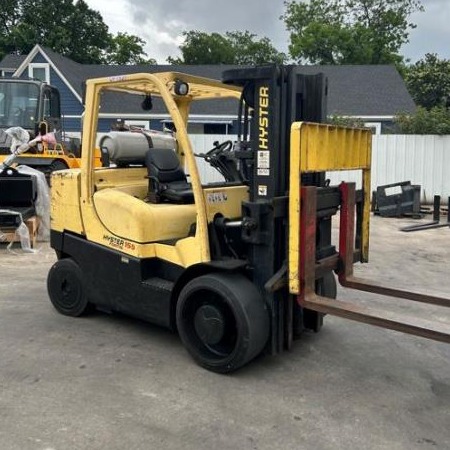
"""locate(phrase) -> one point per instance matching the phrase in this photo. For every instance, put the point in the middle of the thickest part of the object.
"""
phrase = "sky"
(161, 22)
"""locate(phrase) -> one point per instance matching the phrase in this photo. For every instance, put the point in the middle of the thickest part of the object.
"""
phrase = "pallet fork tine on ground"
(436, 222)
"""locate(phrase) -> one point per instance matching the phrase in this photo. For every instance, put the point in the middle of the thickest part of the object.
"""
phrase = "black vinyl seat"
(167, 180)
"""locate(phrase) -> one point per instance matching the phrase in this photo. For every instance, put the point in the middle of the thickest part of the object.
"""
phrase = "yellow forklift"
(236, 267)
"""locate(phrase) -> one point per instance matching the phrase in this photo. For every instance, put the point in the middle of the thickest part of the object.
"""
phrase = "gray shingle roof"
(366, 90)
(12, 61)
(360, 90)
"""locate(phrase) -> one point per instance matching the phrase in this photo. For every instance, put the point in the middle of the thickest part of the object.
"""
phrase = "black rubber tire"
(66, 288)
(239, 330)
(327, 286)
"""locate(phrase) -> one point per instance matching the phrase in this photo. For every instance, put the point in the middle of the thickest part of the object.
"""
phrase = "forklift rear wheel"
(222, 321)
(65, 288)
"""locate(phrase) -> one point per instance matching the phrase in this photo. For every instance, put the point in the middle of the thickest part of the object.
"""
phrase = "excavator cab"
(35, 107)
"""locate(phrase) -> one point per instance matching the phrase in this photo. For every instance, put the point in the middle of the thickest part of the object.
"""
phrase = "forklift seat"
(167, 180)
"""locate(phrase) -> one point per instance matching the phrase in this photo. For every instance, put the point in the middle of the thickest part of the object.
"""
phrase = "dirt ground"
(109, 382)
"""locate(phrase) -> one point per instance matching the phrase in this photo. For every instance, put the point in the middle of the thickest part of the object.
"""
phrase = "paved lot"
(108, 382)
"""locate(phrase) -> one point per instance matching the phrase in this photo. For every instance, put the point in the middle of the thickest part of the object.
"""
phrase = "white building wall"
(421, 159)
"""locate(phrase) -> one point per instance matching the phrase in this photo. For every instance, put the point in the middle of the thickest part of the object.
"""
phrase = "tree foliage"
(249, 50)
(203, 48)
(345, 121)
(425, 121)
(69, 28)
(348, 31)
(235, 47)
(428, 81)
(127, 49)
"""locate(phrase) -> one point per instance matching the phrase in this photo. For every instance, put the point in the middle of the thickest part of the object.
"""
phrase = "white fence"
(202, 143)
(423, 160)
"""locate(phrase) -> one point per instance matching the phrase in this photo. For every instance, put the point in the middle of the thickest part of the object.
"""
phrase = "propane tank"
(129, 147)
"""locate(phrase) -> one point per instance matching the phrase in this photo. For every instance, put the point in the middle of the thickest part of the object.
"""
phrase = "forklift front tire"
(66, 288)
(222, 321)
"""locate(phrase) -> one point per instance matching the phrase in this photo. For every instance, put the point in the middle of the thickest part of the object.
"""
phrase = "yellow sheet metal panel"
(328, 147)
(225, 200)
(142, 222)
(65, 211)
(185, 253)
(119, 177)
(294, 209)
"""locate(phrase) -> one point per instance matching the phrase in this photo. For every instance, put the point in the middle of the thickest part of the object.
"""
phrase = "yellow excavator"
(33, 109)
(237, 267)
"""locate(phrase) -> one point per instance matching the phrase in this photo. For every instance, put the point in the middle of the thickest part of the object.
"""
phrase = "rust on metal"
(307, 260)
(437, 331)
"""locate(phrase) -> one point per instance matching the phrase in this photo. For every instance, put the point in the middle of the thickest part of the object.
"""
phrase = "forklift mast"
(273, 98)
(278, 96)
(287, 223)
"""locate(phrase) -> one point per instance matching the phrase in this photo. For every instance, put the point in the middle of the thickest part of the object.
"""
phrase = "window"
(144, 124)
(18, 104)
(39, 72)
(374, 126)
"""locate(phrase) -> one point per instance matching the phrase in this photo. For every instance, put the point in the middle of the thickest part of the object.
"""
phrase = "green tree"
(127, 49)
(71, 29)
(10, 13)
(249, 50)
(428, 81)
(345, 121)
(235, 47)
(203, 48)
(88, 35)
(348, 31)
(425, 121)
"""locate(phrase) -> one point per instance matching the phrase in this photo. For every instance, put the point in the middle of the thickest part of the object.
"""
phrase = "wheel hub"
(209, 324)
(66, 290)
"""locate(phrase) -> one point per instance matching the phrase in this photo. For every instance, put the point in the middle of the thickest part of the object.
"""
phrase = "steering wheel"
(216, 150)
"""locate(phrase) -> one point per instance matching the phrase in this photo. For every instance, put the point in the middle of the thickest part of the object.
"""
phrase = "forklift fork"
(342, 263)
(435, 223)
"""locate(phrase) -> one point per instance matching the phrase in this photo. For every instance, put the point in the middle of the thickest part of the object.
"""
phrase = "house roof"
(365, 90)
(353, 90)
(11, 62)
